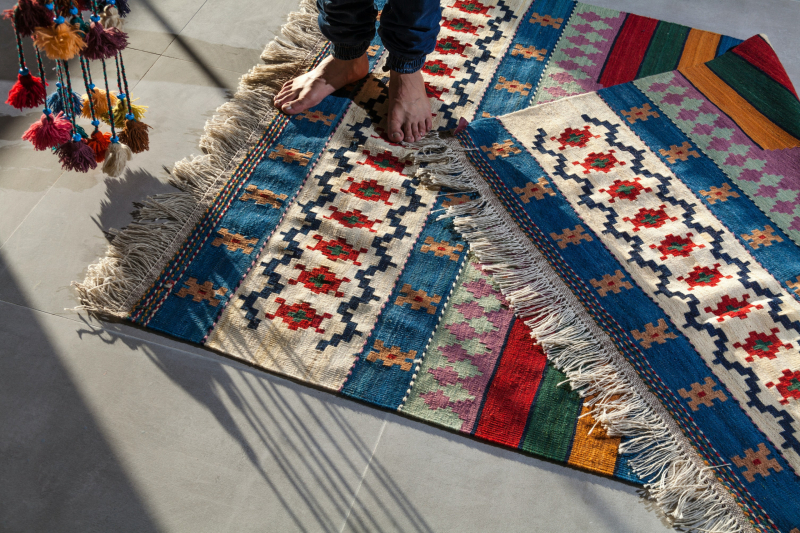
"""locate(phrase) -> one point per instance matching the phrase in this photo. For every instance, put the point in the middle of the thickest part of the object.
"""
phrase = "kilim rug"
(649, 234)
(308, 246)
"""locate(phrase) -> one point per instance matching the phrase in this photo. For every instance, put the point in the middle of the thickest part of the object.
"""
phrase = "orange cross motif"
(501, 150)
(546, 20)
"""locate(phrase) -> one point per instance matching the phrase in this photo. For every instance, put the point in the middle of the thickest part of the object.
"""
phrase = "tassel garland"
(103, 43)
(49, 131)
(61, 31)
(27, 92)
(62, 41)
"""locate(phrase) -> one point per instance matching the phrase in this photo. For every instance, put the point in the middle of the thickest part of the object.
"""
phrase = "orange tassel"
(99, 142)
(60, 41)
(100, 103)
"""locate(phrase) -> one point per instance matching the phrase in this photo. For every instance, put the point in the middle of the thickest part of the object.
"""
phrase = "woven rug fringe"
(138, 253)
(676, 478)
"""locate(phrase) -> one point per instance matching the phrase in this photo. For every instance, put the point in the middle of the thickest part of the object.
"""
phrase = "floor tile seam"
(31, 210)
(366, 471)
(216, 67)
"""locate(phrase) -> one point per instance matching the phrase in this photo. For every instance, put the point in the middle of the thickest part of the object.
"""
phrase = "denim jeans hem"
(349, 51)
(404, 65)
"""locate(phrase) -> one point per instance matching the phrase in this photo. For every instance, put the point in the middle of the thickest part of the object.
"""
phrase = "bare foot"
(409, 108)
(306, 91)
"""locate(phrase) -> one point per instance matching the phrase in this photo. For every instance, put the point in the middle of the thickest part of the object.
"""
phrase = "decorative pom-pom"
(29, 15)
(100, 103)
(99, 142)
(135, 136)
(56, 103)
(110, 18)
(76, 155)
(28, 91)
(121, 109)
(103, 43)
(117, 157)
(61, 41)
(48, 132)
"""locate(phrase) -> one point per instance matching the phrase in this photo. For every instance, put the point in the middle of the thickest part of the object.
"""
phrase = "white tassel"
(110, 18)
(117, 158)
(677, 479)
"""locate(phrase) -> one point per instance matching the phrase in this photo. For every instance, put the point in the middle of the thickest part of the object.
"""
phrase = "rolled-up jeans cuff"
(404, 64)
(347, 52)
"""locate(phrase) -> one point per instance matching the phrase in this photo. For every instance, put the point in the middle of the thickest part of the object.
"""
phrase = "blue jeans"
(408, 29)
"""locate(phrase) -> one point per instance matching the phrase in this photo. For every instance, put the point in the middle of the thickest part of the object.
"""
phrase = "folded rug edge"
(676, 478)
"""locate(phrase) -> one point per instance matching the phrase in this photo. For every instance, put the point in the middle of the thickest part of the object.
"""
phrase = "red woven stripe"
(629, 50)
(513, 388)
(760, 54)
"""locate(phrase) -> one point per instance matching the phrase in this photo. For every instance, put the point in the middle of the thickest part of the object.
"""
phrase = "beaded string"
(121, 64)
(76, 136)
(114, 138)
(123, 93)
(61, 88)
(87, 81)
(41, 67)
(23, 69)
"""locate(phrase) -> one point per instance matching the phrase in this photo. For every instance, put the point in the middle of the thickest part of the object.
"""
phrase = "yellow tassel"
(100, 103)
(120, 110)
(60, 41)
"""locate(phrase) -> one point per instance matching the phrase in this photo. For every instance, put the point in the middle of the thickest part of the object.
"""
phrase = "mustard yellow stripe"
(596, 452)
(701, 46)
(763, 131)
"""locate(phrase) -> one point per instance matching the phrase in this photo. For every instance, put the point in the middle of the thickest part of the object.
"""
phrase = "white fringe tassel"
(139, 252)
(677, 479)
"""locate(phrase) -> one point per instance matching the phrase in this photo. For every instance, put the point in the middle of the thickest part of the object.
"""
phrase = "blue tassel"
(56, 105)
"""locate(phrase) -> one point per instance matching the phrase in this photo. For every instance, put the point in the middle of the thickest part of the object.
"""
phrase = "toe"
(408, 135)
(395, 131)
(422, 129)
(415, 131)
(428, 125)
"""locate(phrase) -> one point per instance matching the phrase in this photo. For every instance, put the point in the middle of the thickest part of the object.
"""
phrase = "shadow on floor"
(58, 471)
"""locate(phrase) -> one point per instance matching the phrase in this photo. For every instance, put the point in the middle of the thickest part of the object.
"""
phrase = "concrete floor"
(105, 427)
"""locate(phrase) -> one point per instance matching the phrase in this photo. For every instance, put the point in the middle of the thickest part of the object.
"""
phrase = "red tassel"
(99, 142)
(28, 15)
(27, 92)
(49, 132)
(76, 155)
(104, 43)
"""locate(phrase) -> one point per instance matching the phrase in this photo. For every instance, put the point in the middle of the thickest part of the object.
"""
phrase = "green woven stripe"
(771, 98)
(553, 418)
(665, 50)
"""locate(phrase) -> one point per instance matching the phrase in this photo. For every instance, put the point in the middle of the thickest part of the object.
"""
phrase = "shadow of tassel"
(135, 136)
